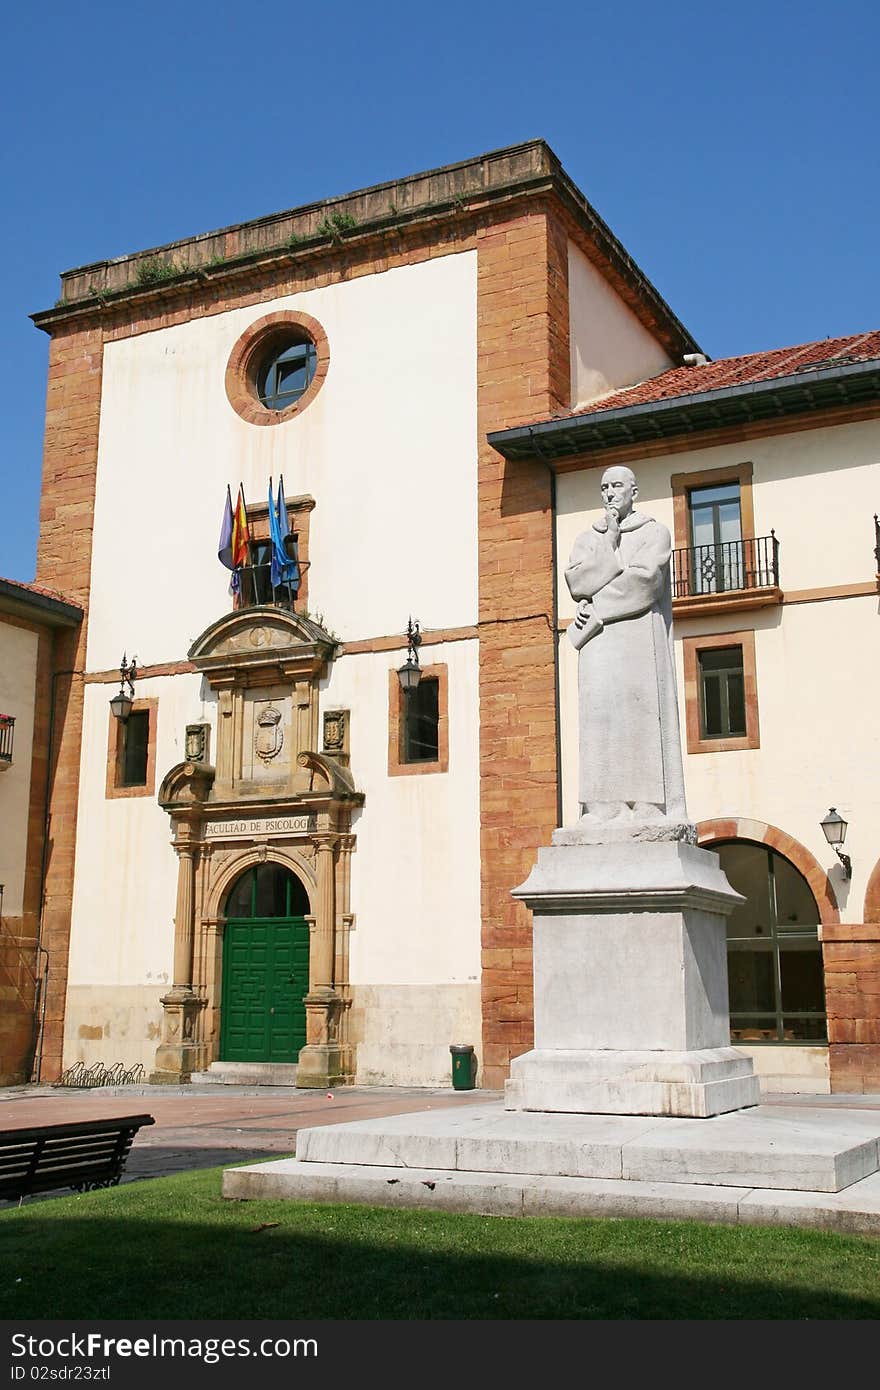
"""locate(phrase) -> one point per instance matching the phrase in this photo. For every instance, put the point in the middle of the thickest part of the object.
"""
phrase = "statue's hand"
(584, 613)
(613, 525)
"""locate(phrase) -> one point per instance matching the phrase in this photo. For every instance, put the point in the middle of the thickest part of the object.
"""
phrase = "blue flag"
(292, 576)
(285, 569)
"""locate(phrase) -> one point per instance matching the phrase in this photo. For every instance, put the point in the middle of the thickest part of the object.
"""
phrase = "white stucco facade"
(387, 493)
(609, 347)
(18, 673)
(386, 487)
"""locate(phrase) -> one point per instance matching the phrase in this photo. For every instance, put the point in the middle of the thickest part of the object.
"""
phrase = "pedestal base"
(323, 1065)
(688, 1084)
(179, 1055)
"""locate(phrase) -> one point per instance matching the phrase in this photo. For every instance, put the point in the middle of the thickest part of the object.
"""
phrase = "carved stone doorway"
(265, 967)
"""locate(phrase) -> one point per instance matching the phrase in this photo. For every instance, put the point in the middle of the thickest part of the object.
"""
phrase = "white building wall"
(610, 348)
(125, 884)
(415, 950)
(18, 674)
(387, 448)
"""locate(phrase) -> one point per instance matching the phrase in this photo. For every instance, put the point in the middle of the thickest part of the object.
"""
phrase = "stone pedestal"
(179, 1054)
(324, 1061)
(630, 963)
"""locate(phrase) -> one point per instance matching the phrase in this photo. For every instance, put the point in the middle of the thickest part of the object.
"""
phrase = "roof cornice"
(352, 223)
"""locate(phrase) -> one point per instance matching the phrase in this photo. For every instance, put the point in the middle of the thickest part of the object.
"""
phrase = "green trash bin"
(464, 1066)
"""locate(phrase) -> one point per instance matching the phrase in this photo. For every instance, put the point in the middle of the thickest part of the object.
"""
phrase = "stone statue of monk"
(630, 748)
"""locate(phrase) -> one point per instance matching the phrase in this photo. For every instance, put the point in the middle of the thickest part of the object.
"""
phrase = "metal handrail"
(877, 541)
(7, 735)
(256, 580)
(729, 566)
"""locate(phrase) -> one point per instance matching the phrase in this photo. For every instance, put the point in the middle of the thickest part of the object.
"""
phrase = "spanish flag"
(240, 533)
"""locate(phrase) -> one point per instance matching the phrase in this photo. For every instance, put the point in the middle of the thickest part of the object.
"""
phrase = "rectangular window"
(418, 724)
(722, 693)
(131, 751)
(135, 745)
(421, 722)
(716, 535)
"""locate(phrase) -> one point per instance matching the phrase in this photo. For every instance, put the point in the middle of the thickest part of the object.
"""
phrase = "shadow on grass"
(175, 1249)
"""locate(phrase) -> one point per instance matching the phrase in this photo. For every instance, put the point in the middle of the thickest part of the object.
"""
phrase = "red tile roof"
(741, 371)
(41, 590)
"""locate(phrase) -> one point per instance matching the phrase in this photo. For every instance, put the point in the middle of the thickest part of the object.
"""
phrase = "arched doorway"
(265, 967)
(774, 956)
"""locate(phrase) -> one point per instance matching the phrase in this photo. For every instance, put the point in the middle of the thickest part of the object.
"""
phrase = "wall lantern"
(121, 703)
(410, 673)
(835, 833)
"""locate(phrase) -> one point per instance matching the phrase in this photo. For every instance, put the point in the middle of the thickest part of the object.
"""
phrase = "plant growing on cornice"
(294, 239)
(335, 224)
(152, 271)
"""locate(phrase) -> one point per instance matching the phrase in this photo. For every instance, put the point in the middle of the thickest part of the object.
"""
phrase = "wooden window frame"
(396, 697)
(115, 746)
(691, 647)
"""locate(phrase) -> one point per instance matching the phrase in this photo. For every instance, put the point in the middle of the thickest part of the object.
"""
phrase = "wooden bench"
(82, 1156)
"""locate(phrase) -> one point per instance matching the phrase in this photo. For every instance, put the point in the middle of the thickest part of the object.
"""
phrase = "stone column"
(321, 1062)
(180, 1054)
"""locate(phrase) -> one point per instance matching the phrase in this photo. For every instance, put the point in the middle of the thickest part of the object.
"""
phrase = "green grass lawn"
(173, 1248)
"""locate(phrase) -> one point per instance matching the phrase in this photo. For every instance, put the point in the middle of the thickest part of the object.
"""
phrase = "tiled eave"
(23, 601)
(856, 384)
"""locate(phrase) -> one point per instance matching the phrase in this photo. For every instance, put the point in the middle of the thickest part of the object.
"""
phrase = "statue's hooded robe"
(630, 747)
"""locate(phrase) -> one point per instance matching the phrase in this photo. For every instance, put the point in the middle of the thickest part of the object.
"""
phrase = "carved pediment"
(262, 645)
(330, 777)
(187, 784)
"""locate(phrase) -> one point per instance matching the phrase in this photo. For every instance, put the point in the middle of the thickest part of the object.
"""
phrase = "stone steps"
(247, 1074)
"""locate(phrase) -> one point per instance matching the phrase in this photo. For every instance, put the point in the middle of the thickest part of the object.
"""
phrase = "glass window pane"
(299, 898)
(746, 867)
(286, 374)
(240, 900)
(713, 725)
(803, 983)
(705, 496)
(751, 986)
(795, 905)
(729, 526)
(422, 721)
(721, 659)
(271, 898)
(805, 1029)
(754, 1028)
(736, 704)
(135, 748)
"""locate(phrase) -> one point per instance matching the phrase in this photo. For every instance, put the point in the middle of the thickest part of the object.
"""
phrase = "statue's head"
(619, 489)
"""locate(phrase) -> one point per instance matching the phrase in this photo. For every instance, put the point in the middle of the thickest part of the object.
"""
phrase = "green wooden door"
(265, 972)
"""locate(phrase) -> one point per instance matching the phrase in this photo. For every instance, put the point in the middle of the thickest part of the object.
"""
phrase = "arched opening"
(265, 967)
(774, 956)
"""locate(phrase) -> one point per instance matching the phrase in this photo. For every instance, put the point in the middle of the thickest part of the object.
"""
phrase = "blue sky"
(733, 149)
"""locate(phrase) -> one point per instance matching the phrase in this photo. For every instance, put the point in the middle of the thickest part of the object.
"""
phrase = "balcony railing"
(728, 567)
(7, 734)
(256, 587)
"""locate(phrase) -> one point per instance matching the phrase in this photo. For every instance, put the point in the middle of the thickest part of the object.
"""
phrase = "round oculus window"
(285, 373)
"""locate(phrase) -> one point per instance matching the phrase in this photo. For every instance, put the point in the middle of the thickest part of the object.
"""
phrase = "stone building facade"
(285, 877)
